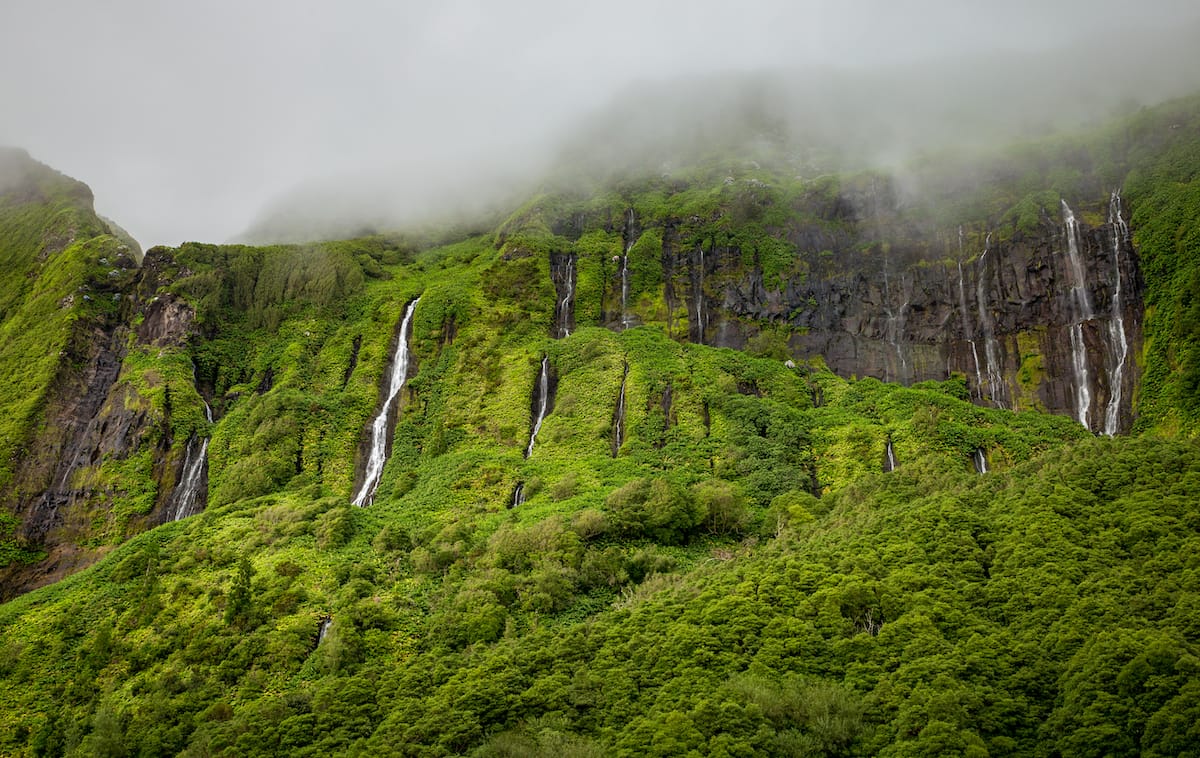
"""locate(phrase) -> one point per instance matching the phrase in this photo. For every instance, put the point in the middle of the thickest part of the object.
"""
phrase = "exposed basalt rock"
(93, 415)
(889, 303)
(168, 322)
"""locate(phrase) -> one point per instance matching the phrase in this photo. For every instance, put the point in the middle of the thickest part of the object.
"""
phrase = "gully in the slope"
(980, 460)
(618, 437)
(562, 273)
(380, 429)
(541, 402)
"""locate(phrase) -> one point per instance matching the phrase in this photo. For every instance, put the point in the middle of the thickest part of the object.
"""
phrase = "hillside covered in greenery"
(601, 529)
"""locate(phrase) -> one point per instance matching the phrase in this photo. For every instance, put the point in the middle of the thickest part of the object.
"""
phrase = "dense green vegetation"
(732, 573)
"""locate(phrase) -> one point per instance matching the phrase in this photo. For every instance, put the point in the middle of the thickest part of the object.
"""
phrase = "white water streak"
(543, 390)
(379, 430)
(981, 466)
(186, 498)
(991, 348)
(564, 305)
(1116, 324)
(1083, 308)
(968, 331)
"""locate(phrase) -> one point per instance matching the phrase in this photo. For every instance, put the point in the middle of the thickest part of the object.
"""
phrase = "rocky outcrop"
(95, 414)
(875, 295)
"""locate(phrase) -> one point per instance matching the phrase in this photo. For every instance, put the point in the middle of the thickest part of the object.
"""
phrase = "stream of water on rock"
(379, 427)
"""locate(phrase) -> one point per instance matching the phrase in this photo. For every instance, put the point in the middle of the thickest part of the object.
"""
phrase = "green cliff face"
(845, 536)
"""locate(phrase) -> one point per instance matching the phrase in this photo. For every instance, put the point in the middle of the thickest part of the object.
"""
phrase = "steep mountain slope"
(600, 529)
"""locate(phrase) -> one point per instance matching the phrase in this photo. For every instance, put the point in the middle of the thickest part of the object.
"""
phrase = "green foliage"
(741, 577)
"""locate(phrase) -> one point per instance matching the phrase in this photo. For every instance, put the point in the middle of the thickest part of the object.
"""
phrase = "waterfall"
(1083, 312)
(518, 497)
(323, 628)
(379, 428)
(630, 239)
(619, 417)
(895, 326)
(186, 500)
(890, 463)
(980, 460)
(699, 285)
(542, 403)
(991, 349)
(1116, 324)
(968, 332)
(564, 308)
(895, 330)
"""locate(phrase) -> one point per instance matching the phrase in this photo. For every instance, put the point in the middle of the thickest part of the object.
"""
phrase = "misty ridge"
(804, 122)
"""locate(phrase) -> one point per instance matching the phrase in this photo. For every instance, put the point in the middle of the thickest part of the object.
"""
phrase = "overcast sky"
(188, 118)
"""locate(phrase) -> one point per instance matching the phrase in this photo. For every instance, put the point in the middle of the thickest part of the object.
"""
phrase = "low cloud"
(203, 121)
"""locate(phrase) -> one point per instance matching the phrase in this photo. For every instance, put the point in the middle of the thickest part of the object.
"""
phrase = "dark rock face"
(910, 312)
(877, 294)
(93, 414)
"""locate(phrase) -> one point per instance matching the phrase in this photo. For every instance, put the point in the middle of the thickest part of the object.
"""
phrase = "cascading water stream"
(1083, 312)
(980, 461)
(379, 427)
(564, 305)
(185, 500)
(630, 239)
(323, 628)
(895, 326)
(1116, 324)
(890, 463)
(700, 295)
(619, 416)
(518, 497)
(991, 349)
(968, 331)
(543, 403)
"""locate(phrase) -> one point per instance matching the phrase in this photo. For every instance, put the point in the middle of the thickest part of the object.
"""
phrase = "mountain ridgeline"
(730, 458)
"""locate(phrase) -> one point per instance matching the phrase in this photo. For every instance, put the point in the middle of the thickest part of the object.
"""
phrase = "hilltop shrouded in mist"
(203, 122)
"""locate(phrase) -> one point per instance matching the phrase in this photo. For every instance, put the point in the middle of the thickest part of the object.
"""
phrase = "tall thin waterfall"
(890, 463)
(895, 326)
(1116, 324)
(630, 239)
(968, 331)
(379, 427)
(991, 348)
(542, 401)
(618, 437)
(564, 307)
(699, 294)
(1083, 312)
